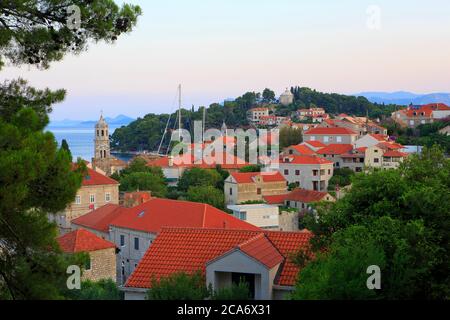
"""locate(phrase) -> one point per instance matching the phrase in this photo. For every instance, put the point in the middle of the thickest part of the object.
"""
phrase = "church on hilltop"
(102, 154)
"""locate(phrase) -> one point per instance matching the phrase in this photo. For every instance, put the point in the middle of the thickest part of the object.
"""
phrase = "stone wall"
(103, 265)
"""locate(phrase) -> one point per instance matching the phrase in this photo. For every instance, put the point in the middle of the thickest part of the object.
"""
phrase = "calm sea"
(81, 142)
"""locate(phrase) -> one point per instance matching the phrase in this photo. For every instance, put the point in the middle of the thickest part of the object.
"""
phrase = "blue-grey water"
(81, 142)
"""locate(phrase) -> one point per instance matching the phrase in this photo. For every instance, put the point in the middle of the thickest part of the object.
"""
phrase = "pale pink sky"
(222, 48)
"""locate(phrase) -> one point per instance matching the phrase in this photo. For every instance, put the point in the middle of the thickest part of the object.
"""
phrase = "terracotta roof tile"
(156, 214)
(101, 218)
(82, 241)
(303, 150)
(94, 178)
(306, 196)
(248, 177)
(189, 250)
(335, 149)
(275, 199)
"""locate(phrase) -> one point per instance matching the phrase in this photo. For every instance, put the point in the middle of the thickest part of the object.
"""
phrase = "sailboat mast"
(179, 111)
(204, 124)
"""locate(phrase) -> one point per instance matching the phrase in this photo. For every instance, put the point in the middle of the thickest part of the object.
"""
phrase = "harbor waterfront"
(81, 142)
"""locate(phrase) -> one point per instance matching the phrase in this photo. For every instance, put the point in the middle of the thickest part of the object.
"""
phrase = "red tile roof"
(226, 161)
(379, 137)
(394, 153)
(330, 131)
(427, 110)
(293, 159)
(335, 149)
(259, 109)
(303, 150)
(94, 178)
(390, 145)
(316, 144)
(156, 214)
(189, 250)
(306, 196)
(82, 241)
(101, 218)
(248, 177)
(261, 249)
(275, 199)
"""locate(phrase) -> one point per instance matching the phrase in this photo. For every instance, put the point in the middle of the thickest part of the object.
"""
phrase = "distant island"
(119, 121)
(405, 97)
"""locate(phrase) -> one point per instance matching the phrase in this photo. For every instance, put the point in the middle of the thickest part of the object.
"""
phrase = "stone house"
(308, 172)
(252, 186)
(414, 116)
(96, 191)
(333, 153)
(255, 114)
(102, 254)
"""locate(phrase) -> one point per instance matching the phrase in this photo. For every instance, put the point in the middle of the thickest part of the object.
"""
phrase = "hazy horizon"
(220, 49)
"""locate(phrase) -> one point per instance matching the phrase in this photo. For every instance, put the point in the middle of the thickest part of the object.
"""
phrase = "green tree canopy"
(65, 146)
(207, 194)
(179, 286)
(41, 31)
(198, 177)
(268, 95)
(100, 290)
(250, 168)
(144, 181)
(290, 136)
(404, 213)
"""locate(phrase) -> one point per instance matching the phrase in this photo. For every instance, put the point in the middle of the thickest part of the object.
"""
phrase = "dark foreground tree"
(179, 286)
(41, 31)
(37, 178)
(101, 290)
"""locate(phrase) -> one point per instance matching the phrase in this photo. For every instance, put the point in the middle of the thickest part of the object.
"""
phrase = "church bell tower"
(102, 150)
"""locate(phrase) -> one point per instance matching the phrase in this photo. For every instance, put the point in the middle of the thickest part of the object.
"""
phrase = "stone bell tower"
(102, 151)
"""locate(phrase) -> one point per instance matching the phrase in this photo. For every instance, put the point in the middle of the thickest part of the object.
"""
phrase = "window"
(376, 160)
(122, 240)
(92, 198)
(286, 172)
(231, 191)
(313, 138)
(136, 243)
(338, 139)
(258, 191)
(376, 151)
(78, 200)
(326, 139)
(329, 171)
(315, 172)
(243, 215)
(87, 265)
(297, 172)
(108, 197)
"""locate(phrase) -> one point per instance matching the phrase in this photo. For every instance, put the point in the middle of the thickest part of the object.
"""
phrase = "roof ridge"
(256, 237)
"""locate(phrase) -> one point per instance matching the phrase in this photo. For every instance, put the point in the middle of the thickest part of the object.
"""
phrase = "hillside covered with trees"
(146, 133)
